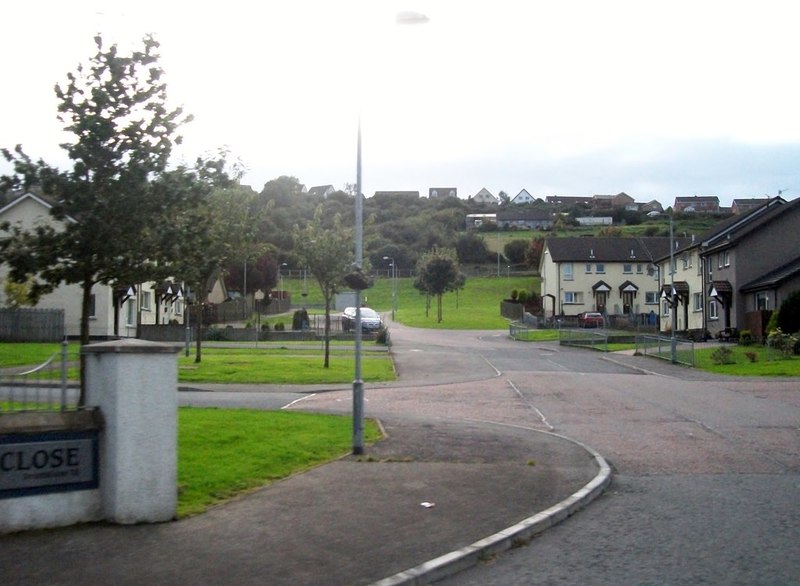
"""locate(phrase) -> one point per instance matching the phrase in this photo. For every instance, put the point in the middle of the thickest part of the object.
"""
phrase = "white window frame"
(627, 268)
(588, 268)
(713, 310)
(727, 258)
(600, 268)
(568, 273)
(573, 297)
(146, 300)
(92, 306)
(651, 297)
(130, 312)
(697, 305)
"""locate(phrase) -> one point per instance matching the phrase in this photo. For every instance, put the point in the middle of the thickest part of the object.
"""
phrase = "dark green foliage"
(515, 251)
(722, 355)
(788, 319)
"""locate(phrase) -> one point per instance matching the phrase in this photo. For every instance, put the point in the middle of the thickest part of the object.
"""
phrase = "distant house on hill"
(523, 197)
(530, 219)
(697, 203)
(564, 201)
(741, 206)
(398, 194)
(484, 196)
(435, 192)
(322, 190)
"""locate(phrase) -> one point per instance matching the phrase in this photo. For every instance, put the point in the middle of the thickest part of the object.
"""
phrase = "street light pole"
(394, 284)
(358, 383)
(673, 350)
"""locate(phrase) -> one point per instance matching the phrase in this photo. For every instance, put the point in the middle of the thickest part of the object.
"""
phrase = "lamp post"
(393, 264)
(403, 18)
(672, 341)
(358, 382)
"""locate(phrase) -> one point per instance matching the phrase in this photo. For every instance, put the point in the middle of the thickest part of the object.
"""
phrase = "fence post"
(134, 382)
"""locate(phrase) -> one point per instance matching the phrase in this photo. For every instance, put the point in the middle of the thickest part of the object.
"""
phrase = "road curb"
(520, 533)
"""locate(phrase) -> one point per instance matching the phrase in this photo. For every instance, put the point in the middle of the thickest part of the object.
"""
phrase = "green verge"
(226, 452)
(765, 362)
(282, 366)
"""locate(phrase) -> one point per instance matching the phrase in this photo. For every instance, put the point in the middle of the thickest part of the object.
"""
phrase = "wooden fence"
(31, 325)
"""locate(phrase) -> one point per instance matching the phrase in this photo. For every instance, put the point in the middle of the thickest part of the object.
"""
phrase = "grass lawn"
(282, 366)
(768, 362)
(225, 452)
(32, 353)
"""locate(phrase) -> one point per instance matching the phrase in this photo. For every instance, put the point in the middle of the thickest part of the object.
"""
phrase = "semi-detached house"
(615, 276)
(734, 275)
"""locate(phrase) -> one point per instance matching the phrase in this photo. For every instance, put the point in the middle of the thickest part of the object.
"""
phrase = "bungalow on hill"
(322, 191)
(708, 204)
(525, 219)
(435, 192)
(484, 196)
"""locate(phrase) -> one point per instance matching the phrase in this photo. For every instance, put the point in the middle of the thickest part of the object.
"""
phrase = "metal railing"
(662, 347)
(45, 387)
(584, 338)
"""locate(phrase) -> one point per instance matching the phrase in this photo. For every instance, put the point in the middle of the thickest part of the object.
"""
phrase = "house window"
(146, 300)
(665, 308)
(600, 267)
(719, 260)
(686, 260)
(627, 268)
(178, 307)
(726, 258)
(92, 305)
(130, 313)
(568, 276)
(713, 310)
(699, 266)
(698, 302)
(651, 297)
(588, 268)
(639, 269)
(573, 297)
(762, 300)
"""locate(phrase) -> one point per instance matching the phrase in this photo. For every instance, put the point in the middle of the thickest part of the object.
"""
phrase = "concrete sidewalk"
(450, 492)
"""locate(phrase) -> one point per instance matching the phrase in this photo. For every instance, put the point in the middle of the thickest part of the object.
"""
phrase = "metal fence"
(584, 338)
(675, 350)
(45, 387)
(31, 325)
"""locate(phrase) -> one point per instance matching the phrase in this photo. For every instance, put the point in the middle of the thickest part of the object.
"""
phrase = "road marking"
(531, 405)
(298, 400)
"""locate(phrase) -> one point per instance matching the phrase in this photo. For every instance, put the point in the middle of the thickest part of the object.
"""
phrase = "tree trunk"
(327, 362)
(198, 343)
(86, 305)
(439, 308)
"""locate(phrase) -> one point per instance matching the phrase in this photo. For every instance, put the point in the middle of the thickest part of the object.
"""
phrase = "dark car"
(370, 319)
(591, 319)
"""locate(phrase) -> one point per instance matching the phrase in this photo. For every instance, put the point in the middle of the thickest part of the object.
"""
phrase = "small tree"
(437, 273)
(328, 254)
(533, 254)
(17, 294)
(515, 251)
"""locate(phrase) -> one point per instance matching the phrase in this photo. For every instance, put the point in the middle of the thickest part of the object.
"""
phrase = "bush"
(215, 335)
(786, 344)
(722, 355)
(751, 356)
(382, 337)
(279, 327)
(514, 294)
(522, 296)
(745, 338)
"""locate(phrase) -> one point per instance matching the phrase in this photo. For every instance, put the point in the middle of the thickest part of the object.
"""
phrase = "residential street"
(707, 469)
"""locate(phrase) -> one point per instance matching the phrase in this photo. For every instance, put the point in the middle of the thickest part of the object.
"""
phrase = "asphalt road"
(707, 469)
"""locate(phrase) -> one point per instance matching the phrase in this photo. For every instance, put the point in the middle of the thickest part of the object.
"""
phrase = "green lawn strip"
(32, 353)
(537, 336)
(768, 362)
(257, 367)
(225, 452)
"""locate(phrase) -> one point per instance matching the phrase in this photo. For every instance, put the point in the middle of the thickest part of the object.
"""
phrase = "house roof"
(775, 277)
(596, 249)
(697, 198)
(320, 190)
(525, 214)
(735, 228)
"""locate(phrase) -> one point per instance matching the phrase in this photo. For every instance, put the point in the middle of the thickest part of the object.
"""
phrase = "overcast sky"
(656, 99)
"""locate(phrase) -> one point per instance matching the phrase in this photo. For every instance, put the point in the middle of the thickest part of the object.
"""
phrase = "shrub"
(784, 343)
(745, 338)
(751, 356)
(279, 327)
(215, 335)
(789, 313)
(382, 337)
(522, 296)
(722, 355)
(514, 294)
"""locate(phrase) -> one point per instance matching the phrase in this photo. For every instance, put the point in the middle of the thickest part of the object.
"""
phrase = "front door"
(601, 301)
(627, 302)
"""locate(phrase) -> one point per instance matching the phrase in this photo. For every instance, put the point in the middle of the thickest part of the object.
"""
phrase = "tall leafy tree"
(112, 207)
(328, 255)
(438, 273)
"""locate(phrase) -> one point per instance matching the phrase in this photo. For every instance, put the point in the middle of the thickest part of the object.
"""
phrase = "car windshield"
(369, 313)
